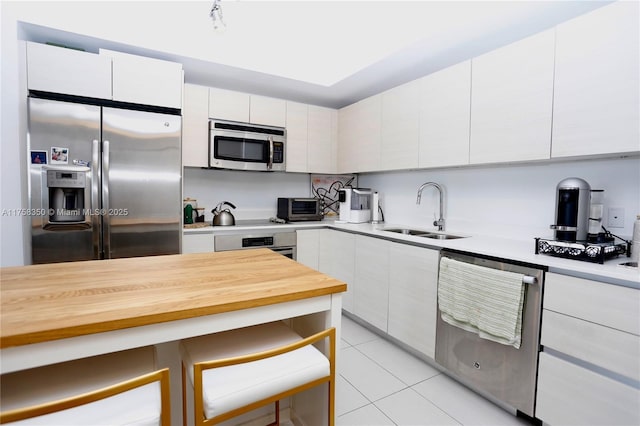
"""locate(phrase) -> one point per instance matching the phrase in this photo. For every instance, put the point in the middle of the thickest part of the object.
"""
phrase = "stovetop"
(582, 250)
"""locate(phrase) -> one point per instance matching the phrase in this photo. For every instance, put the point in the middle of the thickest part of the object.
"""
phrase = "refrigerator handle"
(106, 220)
(95, 199)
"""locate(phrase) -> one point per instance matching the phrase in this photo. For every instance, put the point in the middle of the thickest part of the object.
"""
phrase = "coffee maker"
(573, 203)
(355, 205)
(578, 235)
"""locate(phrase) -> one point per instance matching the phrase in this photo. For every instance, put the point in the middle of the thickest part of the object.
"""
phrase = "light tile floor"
(381, 384)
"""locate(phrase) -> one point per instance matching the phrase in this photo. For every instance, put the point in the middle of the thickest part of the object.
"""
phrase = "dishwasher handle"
(527, 279)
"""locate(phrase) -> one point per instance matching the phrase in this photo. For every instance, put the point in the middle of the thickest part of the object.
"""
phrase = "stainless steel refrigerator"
(104, 182)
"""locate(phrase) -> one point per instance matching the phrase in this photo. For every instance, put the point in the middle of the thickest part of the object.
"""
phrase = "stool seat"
(230, 387)
(138, 406)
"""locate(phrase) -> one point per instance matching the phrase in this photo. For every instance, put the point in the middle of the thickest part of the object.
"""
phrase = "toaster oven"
(299, 209)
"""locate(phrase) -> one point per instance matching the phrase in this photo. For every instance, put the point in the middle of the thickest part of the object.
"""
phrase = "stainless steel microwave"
(244, 146)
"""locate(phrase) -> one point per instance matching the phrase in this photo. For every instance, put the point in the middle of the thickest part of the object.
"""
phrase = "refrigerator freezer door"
(60, 135)
(141, 183)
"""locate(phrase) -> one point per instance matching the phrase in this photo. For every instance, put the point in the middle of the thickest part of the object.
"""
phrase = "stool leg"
(277, 422)
(184, 396)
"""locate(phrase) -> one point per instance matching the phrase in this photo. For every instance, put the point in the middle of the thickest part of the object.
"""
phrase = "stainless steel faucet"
(440, 222)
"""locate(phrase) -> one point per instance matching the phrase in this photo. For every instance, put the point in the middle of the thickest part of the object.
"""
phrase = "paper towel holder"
(377, 215)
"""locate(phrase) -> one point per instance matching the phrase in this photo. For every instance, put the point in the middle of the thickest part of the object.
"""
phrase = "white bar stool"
(121, 388)
(237, 371)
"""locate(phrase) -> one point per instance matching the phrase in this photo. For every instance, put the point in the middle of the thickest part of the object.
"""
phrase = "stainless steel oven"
(280, 242)
(501, 372)
(244, 146)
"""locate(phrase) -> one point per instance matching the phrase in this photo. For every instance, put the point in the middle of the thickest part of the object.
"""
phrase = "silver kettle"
(222, 216)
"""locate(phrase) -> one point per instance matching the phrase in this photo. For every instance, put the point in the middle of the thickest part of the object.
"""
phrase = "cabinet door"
(336, 258)
(229, 105)
(400, 127)
(267, 111)
(371, 293)
(511, 101)
(445, 108)
(195, 126)
(197, 243)
(308, 247)
(569, 394)
(322, 138)
(413, 288)
(67, 71)
(359, 133)
(296, 156)
(596, 106)
(145, 81)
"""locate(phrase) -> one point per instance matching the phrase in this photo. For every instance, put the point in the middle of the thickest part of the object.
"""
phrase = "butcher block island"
(58, 312)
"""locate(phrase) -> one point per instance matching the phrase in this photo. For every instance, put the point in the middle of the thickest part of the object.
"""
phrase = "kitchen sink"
(442, 236)
(406, 231)
(424, 234)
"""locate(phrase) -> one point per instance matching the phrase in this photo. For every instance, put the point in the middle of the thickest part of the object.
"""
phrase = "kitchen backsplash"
(512, 201)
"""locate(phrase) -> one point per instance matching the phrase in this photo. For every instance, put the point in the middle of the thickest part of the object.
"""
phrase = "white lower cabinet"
(308, 247)
(336, 258)
(197, 243)
(589, 364)
(413, 291)
(371, 292)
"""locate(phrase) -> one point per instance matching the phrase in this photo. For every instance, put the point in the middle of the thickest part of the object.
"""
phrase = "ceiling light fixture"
(216, 16)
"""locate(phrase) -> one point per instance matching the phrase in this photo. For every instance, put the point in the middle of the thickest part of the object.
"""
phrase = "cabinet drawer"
(572, 395)
(606, 304)
(614, 350)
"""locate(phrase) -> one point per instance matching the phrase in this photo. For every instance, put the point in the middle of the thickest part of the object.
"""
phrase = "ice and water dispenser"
(66, 196)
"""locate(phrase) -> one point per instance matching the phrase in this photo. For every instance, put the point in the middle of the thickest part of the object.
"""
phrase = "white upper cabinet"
(67, 71)
(322, 139)
(445, 108)
(596, 99)
(195, 126)
(311, 138)
(297, 124)
(400, 127)
(511, 101)
(267, 111)
(359, 135)
(229, 105)
(246, 108)
(145, 81)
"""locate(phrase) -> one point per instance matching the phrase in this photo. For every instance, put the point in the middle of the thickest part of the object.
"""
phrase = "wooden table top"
(55, 301)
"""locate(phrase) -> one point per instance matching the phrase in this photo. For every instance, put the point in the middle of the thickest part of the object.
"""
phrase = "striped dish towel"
(482, 300)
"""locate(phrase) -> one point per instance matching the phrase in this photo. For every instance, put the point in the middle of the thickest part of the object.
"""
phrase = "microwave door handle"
(270, 163)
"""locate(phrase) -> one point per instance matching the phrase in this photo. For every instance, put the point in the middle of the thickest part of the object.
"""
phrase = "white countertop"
(509, 249)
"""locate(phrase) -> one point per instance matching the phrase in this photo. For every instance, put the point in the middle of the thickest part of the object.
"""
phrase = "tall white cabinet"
(359, 135)
(371, 283)
(336, 258)
(195, 126)
(597, 96)
(400, 127)
(445, 110)
(413, 296)
(511, 101)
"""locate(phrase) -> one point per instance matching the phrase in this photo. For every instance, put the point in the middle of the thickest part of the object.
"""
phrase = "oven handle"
(527, 279)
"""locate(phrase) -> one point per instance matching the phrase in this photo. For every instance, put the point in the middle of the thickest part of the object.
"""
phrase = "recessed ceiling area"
(329, 53)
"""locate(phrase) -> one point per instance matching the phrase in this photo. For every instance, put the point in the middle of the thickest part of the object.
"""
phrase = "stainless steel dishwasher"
(500, 372)
(280, 242)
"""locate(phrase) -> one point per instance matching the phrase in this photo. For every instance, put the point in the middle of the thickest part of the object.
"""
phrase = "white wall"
(13, 188)
(253, 193)
(515, 201)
